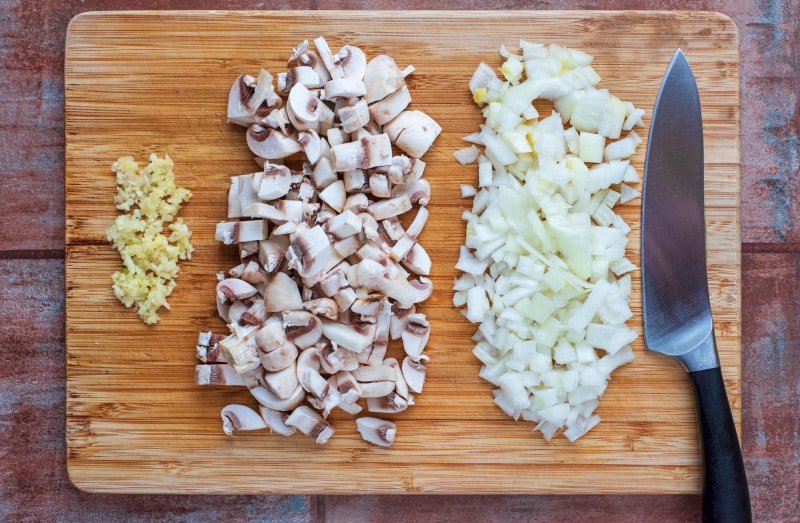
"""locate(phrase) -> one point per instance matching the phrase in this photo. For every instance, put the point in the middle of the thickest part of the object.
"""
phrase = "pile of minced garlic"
(149, 238)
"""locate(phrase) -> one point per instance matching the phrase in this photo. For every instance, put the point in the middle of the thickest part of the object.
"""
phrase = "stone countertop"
(34, 485)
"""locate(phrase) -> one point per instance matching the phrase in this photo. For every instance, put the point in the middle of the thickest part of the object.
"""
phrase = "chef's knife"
(676, 306)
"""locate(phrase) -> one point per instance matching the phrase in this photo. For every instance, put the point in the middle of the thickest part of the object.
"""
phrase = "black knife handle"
(725, 494)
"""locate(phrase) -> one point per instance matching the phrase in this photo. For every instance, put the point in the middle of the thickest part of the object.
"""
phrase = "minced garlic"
(149, 253)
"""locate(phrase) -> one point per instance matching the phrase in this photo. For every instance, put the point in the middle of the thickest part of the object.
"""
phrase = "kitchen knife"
(676, 306)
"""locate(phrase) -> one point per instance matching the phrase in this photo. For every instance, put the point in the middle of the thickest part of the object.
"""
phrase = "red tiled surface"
(33, 481)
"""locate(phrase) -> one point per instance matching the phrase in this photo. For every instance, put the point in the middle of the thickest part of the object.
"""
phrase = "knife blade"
(675, 300)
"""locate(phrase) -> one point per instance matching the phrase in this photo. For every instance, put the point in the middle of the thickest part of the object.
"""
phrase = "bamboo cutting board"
(157, 82)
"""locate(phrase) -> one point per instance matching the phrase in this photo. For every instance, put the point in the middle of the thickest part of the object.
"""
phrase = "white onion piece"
(544, 269)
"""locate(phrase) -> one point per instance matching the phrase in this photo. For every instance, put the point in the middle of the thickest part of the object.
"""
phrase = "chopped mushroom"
(327, 274)
(377, 431)
(310, 423)
(241, 417)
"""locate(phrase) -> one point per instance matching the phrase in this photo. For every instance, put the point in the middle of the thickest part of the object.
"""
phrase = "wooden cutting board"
(157, 82)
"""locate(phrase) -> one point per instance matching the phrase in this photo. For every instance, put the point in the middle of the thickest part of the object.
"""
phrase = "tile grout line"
(773, 248)
(32, 254)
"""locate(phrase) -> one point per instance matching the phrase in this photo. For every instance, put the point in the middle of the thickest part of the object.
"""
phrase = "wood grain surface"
(156, 82)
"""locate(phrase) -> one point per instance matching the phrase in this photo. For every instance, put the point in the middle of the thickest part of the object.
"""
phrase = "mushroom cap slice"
(385, 110)
(282, 294)
(353, 61)
(266, 397)
(276, 421)
(414, 372)
(309, 252)
(303, 107)
(240, 417)
(415, 335)
(382, 77)
(310, 423)
(413, 132)
(302, 328)
(376, 431)
(271, 144)
(369, 151)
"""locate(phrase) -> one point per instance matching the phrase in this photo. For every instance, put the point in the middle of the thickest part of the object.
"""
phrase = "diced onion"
(544, 269)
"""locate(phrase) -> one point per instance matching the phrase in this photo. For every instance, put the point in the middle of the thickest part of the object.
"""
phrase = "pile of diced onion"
(545, 274)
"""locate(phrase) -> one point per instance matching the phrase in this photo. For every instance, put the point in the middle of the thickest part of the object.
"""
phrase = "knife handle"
(725, 494)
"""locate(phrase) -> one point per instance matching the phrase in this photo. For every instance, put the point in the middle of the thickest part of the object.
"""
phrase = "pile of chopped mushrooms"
(328, 275)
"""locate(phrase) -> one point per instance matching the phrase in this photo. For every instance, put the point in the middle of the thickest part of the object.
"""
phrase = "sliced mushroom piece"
(382, 77)
(345, 336)
(344, 88)
(390, 207)
(415, 335)
(309, 252)
(233, 289)
(267, 398)
(272, 253)
(312, 145)
(279, 357)
(401, 386)
(356, 203)
(376, 389)
(301, 74)
(236, 310)
(282, 382)
(423, 288)
(271, 144)
(241, 231)
(308, 365)
(311, 424)
(249, 102)
(327, 404)
(241, 195)
(379, 185)
(417, 260)
(217, 374)
(241, 417)
(414, 373)
(354, 180)
(369, 305)
(279, 211)
(344, 225)
(324, 307)
(207, 349)
(305, 56)
(240, 348)
(418, 191)
(377, 351)
(376, 431)
(399, 320)
(348, 388)
(254, 314)
(348, 246)
(352, 60)
(282, 294)
(413, 132)
(276, 421)
(334, 195)
(272, 183)
(302, 328)
(385, 110)
(323, 174)
(325, 54)
(388, 404)
(303, 108)
(368, 152)
(277, 119)
(374, 373)
(344, 298)
(353, 117)
(330, 355)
